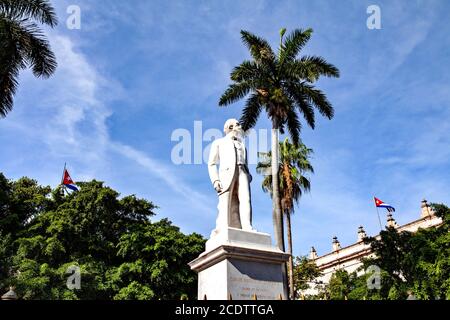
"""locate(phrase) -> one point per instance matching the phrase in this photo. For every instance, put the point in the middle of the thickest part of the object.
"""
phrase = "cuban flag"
(381, 204)
(68, 182)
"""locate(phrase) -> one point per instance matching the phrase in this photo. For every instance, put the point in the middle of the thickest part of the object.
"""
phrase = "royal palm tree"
(294, 164)
(23, 44)
(283, 85)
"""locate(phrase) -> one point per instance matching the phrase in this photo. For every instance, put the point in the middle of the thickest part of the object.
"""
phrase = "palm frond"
(320, 101)
(40, 10)
(259, 48)
(308, 68)
(294, 126)
(294, 71)
(294, 43)
(32, 46)
(247, 70)
(251, 112)
(320, 67)
(307, 110)
(306, 97)
(267, 185)
(304, 183)
(304, 165)
(11, 62)
(37, 51)
(8, 86)
(235, 92)
(294, 164)
(23, 44)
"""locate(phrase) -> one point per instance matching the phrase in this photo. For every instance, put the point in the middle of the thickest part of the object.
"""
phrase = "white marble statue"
(232, 180)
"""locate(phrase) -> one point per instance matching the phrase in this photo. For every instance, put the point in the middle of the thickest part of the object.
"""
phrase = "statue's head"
(230, 125)
(233, 127)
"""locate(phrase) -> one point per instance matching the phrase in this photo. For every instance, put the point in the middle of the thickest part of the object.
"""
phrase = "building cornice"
(365, 249)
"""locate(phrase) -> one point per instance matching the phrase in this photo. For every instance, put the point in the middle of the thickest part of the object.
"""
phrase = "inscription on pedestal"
(247, 288)
(248, 278)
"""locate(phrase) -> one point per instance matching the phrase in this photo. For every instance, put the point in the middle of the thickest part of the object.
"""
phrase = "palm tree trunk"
(291, 258)
(277, 217)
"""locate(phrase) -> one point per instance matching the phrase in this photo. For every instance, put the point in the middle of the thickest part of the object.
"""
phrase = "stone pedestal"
(241, 264)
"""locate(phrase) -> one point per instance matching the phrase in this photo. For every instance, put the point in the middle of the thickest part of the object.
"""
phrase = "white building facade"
(349, 258)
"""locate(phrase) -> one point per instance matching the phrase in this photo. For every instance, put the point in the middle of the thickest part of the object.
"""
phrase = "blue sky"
(138, 70)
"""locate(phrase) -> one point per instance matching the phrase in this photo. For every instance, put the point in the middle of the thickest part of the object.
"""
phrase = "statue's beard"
(237, 133)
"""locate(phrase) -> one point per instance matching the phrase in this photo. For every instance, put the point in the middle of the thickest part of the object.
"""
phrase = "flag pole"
(62, 179)
(378, 213)
(379, 219)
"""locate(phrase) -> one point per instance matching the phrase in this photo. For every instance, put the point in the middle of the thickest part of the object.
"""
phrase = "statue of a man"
(232, 180)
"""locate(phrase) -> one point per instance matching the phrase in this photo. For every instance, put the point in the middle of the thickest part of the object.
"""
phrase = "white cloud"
(72, 121)
(164, 173)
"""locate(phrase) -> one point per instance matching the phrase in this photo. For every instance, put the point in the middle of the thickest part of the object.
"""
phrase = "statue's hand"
(218, 186)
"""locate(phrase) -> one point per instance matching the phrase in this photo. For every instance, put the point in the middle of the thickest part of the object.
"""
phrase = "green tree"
(283, 86)
(157, 255)
(23, 44)
(410, 264)
(434, 262)
(360, 289)
(293, 165)
(340, 285)
(350, 286)
(121, 254)
(305, 273)
(417, 262)
(20, 202)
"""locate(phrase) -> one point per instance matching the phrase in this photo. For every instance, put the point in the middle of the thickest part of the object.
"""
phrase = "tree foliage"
(305, 274)
(350, 286)
(340, 285)
(23, 44)
(417, 263)
(120, 252)
(284, 86)
(294, 165)
(411, 264)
